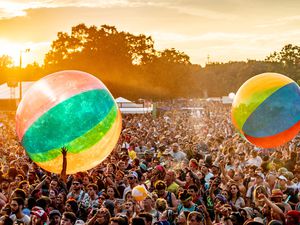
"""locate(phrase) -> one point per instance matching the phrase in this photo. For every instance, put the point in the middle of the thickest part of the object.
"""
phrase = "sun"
(14, 50)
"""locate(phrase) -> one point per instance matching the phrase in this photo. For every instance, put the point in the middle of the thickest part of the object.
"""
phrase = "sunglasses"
(130, 178)
(75, 183)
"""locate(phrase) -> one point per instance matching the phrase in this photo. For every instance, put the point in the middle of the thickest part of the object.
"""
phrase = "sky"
(206, 30)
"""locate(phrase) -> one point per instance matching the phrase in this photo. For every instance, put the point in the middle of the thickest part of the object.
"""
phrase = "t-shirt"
(82, 199)
(239, 203)
(208, 176)
(257, 161)
(173, 188)
(25, 219)
(292, 194)
(181, 208)
(178, 156)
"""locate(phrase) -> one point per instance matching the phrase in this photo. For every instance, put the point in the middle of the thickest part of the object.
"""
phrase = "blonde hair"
(161, 204)
(259, 190)
(199, 217)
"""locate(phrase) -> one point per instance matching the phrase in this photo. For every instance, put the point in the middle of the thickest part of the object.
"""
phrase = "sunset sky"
(227, 30)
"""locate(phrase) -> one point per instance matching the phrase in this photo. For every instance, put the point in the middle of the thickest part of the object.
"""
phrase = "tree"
(289, 55)
(289, 60)
(174, 56)
(126, 63)
(106, 44)
(5, 61)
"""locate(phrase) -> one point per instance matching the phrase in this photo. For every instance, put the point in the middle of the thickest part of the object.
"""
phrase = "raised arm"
(63, 174)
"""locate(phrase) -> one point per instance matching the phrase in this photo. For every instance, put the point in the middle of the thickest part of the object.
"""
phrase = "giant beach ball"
(71, 109)
(266, 110)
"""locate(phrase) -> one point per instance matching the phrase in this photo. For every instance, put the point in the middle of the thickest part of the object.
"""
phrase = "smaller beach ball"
(266, 110)
(139, 193)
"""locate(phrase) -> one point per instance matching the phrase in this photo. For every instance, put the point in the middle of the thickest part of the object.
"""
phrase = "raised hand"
(64, 151)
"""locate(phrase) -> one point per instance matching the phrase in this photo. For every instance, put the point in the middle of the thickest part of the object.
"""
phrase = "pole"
(20, 96)
(26, 50)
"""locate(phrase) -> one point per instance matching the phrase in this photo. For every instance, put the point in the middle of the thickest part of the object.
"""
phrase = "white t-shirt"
(178, 156)
(257, 161)
(25, 219)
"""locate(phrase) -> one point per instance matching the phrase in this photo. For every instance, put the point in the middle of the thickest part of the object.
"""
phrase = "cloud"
(284, 21)
(14, 8)
(201, 8)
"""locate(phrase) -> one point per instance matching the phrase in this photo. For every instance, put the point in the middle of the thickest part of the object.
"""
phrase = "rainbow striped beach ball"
(266, 110)
(71, 109)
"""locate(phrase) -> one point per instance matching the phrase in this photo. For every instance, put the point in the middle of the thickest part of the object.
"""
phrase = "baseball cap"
(39, 212)
(79, 222)
(281, 177)
(160, 168)
(294, 214)
(260, 175)
(54, 212)
(133, 173)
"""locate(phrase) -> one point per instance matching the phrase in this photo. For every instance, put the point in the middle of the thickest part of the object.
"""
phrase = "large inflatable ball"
(70, 109)
(266, 110)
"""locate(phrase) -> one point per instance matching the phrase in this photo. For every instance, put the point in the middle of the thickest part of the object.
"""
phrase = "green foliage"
(289, 59)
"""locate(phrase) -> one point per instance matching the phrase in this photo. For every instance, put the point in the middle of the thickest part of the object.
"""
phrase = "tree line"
(131, 67)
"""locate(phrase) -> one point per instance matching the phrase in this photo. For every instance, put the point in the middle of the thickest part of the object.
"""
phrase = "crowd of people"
(194, 165)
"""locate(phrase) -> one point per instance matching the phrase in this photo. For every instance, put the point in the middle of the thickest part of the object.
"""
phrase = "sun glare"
(12, 50)
(31, 52)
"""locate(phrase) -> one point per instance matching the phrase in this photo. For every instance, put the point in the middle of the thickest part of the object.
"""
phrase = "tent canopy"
(122, 100)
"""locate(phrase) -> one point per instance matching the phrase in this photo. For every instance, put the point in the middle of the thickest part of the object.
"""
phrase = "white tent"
(122, 100)
(125, 103)
(128, 107)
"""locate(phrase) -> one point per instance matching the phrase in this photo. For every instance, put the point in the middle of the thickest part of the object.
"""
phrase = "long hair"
(238, 194)
(259, 190)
